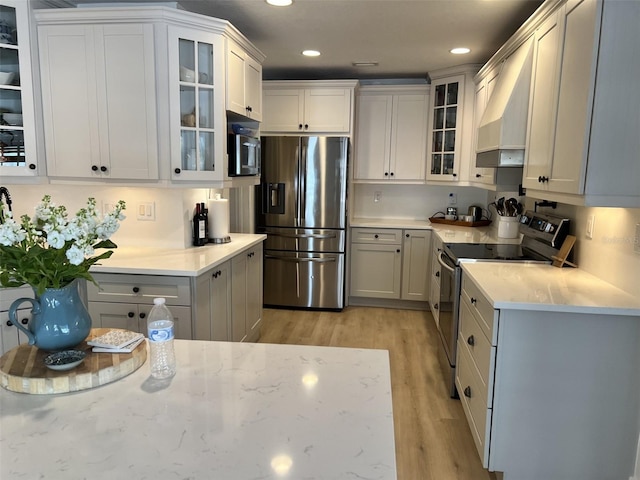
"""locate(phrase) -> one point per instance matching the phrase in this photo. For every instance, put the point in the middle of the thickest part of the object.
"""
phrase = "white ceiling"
(407, 37)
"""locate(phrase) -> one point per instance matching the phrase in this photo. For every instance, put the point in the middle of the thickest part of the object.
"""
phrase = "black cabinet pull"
(467, 392)
(130, 314)
(215, 275)
(24, 321)
(391, 174)
(103, 168)
(478, 175)
(375, 236)
(32, 166)
(142, 315)
(407, 235)
(177, 170)
(455, 174)
(94, 168)
(437, 274)
(386, 174)
(299, 126)
(473, 300)
(435, 306)
(471, 341)
(398, 250)
(306, 126)
(136, 289)
(9, 323)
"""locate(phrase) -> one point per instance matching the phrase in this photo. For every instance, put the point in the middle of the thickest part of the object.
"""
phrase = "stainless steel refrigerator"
(302, 207)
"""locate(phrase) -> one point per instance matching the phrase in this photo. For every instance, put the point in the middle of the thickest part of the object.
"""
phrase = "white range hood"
(503, 127)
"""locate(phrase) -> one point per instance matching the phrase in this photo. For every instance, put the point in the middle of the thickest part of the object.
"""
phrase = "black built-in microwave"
(244, 155)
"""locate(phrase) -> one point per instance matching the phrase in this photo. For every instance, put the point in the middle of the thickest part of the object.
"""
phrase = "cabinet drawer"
(9, 295)
(376, 235)
(479, 305)
(473, 403)
(139, 289)
(472, 339)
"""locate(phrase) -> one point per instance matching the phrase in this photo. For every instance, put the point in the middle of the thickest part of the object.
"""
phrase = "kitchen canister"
(508, 227)
(219, 220)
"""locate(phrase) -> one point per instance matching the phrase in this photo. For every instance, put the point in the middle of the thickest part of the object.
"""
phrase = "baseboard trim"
(388, 303)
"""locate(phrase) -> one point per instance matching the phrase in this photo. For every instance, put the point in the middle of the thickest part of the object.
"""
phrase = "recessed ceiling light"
(459, 50)
(280, 3)
(311, 53)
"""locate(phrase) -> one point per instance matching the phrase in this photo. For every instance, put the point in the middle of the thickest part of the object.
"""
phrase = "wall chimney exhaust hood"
(503, 127)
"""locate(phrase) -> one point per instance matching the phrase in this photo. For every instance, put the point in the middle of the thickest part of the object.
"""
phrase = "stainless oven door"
(450, 283)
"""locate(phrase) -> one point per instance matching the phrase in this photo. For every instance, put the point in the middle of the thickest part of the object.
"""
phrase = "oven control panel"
(550, 229)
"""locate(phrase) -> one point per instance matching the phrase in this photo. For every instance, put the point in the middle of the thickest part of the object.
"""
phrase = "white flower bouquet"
(50, 250)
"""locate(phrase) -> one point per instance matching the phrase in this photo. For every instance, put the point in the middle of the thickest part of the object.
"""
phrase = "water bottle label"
(160, 334)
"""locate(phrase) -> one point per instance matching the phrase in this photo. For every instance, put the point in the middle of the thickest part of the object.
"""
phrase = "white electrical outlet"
(453, 199)
(377, 196)
(591, 220)
(108, 206)
(147, 211)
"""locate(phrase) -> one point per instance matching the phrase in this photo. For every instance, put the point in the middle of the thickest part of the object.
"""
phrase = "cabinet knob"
(248, 108)
(94, 168)
(467, 392)
(103, 168)
(398, 250)
(391, 174)
(478, 175)
(435, 306)
(471, 341)
(215, 275)
(130, 314)
(473, 300)
(407, 235)
(454, 174)
(9, 323)
(299, 126)
(136, 289)
(142, 315)
(24, 321)
(375, 236)
(177, 170)
(32, 166)
(386, 174)
(543, 179)
(437, 274)
(306, 126)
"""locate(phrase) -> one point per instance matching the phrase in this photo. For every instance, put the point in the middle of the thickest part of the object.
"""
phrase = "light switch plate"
(147, 211)
(590, 226)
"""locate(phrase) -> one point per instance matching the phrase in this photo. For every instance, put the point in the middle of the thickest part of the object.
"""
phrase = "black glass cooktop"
(491, 252)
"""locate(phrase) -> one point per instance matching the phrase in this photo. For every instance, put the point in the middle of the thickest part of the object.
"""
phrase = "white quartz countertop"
(447, 233)
(191, 261)
(522, 286)
(233, 411)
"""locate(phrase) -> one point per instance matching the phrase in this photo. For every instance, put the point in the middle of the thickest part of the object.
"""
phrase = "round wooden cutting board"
(22, 369)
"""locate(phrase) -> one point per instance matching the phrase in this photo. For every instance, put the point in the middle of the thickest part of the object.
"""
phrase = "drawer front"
(141, 289)
(9, 295)
(480, 306)
(473, 404)
(482, 354)
(376, 235)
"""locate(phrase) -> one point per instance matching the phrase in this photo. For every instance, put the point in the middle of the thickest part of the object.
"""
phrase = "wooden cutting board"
(22, 369)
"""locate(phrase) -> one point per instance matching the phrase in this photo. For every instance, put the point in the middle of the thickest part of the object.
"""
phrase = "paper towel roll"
(218, 218)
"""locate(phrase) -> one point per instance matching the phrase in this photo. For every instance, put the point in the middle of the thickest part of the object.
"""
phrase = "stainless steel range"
(543, 235)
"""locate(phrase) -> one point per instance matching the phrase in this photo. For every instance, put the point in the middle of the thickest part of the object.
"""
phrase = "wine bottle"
(199, 226)
(205, 215)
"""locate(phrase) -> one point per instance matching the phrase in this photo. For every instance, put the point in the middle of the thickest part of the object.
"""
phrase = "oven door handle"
(443, 263)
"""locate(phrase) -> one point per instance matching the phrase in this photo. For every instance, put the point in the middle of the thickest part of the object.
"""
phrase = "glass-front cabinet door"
(446, 117)
(17, 135)
(196, 105)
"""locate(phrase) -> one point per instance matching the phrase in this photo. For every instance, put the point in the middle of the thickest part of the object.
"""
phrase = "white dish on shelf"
(6, 78)
(14, 119)
(187, 75)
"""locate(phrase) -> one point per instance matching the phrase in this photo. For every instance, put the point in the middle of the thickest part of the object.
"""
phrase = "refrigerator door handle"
(302, 260)
(320, 236)
(303, 181)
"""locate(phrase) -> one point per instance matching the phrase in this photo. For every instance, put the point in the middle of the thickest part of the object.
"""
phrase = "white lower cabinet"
(435, 283)
(10, 336)
(213, 304)
(390, 263)
(526, 383)
(246, 296)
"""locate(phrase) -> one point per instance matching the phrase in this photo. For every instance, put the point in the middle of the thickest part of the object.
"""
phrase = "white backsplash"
(413, 202)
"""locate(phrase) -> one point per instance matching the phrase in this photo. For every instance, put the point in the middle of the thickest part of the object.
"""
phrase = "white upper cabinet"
(391, 129)
(583, 141)
(17, 123)
(99, 104)
(244, 83)
(308, 106)
(483, 93)
(140, 93)
(451, 133)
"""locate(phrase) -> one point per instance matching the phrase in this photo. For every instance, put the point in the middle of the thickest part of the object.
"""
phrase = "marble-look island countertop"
(233, 411)
(188, 262)
(522, 286)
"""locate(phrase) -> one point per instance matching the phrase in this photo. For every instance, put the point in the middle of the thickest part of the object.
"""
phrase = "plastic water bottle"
(160, 330)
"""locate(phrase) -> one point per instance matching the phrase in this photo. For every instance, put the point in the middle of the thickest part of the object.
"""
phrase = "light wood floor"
(433, 441)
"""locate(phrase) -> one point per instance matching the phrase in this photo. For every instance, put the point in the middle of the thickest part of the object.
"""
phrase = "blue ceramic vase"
(59, 318)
